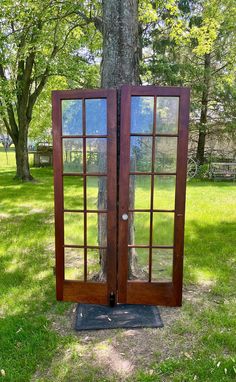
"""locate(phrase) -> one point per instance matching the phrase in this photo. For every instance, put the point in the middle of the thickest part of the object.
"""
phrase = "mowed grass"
(28, 343)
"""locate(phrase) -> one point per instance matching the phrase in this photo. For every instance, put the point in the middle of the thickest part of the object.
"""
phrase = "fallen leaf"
(187, 355)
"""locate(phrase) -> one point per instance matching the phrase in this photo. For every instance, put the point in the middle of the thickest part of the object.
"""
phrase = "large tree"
(120, 65)
(120, 29)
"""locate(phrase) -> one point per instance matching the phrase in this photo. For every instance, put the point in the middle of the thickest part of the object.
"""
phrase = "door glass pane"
(73, 228)
(72, 117)
(139, 191)
(140, 154)
(164, 192)
(139, 227)
(163, 228)
(96, 192)
(97, 229)
(139, 258)
(167, 115)
(142, 114)
(96, 265)
(162, 264)
(96, 155)
(72, 155)
(166, 154)
(74, 264)
(73, 192)
(96, 116)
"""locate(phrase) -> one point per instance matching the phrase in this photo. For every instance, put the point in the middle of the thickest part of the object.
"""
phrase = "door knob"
(125, 217)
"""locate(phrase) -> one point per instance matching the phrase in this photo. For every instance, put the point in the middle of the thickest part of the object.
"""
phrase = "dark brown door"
(152, 182)
(84, 135)
(146, 219)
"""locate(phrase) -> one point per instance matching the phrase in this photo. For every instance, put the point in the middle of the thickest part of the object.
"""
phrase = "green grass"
(28, 343)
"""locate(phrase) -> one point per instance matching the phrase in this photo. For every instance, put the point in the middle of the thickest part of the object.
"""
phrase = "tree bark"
(120, 65)
(120, 57)
(204, 109)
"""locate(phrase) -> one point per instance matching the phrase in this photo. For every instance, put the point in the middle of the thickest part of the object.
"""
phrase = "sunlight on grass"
(204, 277)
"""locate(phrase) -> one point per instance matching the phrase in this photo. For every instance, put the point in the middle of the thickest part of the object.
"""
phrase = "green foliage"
(177, 45)
(39, 40)
(203, 171)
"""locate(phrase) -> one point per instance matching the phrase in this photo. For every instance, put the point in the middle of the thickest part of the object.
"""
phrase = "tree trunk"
(120, 58)
(120, 65)
(204, 110)
(22, 158)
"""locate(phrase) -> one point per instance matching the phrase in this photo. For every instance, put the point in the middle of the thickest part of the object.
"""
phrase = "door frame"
(163, 293)
(72, 290)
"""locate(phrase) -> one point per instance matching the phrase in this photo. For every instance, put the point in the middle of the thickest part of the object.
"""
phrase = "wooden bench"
(222, 171)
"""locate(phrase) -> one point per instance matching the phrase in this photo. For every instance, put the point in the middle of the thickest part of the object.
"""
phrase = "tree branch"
(11, 125)
(97, 21)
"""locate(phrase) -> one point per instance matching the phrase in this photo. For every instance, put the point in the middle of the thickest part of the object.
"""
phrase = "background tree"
(37, 39)
(193, 44)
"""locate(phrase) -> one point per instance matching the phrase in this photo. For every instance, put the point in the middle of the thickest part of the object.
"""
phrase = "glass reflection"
(96, 155)
(73, 228)
(162, 264)
(72, 155)
(96, 116)
(163, 228)
(166, 154)
(73, 192)
(97, 229)
(139, 259)
(167, 115)
(164, 192)
(140, 154)
(142, 114)
(96, 265)
(96, 192)
(72, 117)
(74, 264)
(139, 228)
(139, 191)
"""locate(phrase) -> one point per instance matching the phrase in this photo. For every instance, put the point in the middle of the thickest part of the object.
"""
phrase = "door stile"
(123, 226)
(84, 188)
(181, 174)
(58, 193)
(152, 189)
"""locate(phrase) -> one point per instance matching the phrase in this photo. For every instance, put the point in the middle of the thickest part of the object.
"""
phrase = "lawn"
(198, 342)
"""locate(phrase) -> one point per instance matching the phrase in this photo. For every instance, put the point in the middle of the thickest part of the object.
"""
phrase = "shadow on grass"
(15, 194)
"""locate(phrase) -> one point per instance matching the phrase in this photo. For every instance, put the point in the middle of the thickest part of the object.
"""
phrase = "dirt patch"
(120, 353)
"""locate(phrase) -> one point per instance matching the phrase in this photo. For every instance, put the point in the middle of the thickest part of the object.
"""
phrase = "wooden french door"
(85, 182)
(127, 246)
(152, 182)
